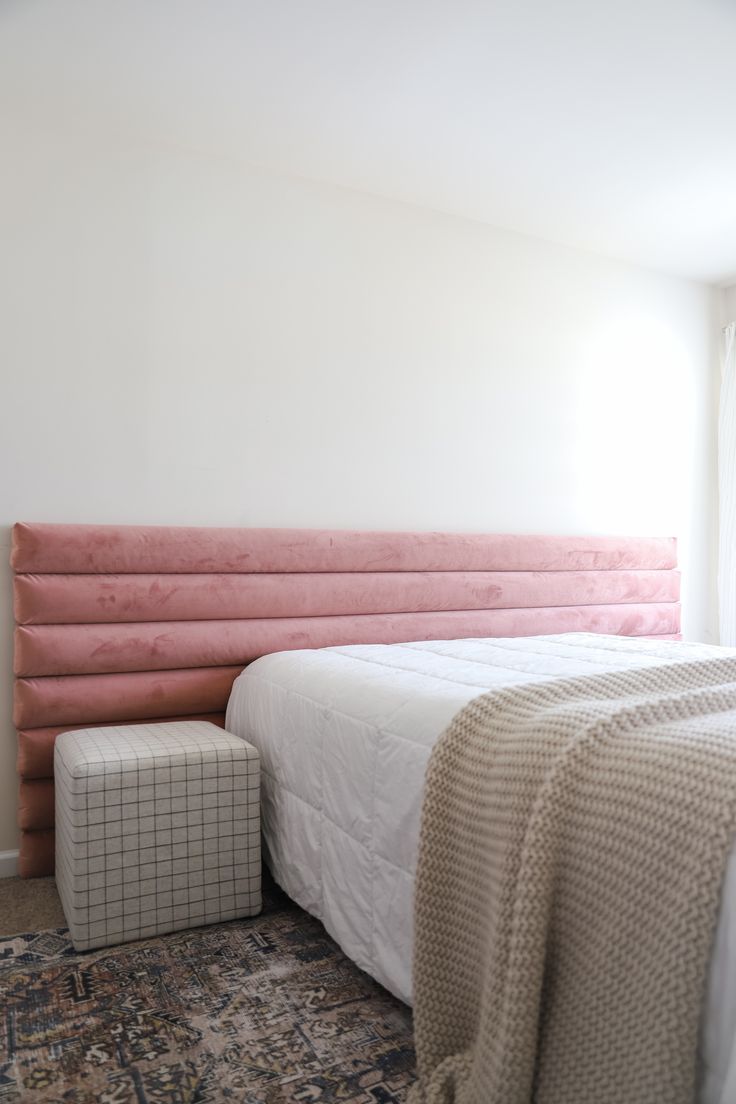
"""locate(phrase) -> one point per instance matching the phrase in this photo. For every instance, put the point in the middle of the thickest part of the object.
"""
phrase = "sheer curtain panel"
(727, 490)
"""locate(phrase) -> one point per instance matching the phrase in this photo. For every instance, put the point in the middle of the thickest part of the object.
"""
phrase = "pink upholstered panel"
(134, 549)
(75, 599)
(126, 623)
(160, 646)
(36, 745)
(91, 699)
(36, 804)
(36, 853)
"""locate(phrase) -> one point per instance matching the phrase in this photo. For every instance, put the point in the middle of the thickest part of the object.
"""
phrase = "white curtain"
(727, 490)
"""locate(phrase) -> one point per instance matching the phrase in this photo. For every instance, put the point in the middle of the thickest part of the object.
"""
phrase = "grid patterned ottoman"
(157, 828)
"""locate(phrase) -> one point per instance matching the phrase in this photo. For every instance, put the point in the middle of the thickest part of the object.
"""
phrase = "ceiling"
(608, 126)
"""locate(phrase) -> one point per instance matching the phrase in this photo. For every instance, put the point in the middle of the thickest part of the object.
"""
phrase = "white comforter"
(345, 735)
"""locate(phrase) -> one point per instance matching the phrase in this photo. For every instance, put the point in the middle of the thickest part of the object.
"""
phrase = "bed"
(345, 735)
(124, 623)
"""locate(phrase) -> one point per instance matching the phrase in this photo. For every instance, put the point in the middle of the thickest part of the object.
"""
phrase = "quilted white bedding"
(345, 736)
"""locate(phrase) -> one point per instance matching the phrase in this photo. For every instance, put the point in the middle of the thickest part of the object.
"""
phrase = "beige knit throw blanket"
(574, 838)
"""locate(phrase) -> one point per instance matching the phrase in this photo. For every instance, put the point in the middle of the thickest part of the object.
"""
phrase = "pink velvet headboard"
(128, 623)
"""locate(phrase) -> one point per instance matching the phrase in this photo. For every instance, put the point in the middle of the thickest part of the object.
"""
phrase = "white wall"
(185, 341)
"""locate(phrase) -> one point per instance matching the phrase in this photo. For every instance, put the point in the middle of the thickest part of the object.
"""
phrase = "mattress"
(345, 736)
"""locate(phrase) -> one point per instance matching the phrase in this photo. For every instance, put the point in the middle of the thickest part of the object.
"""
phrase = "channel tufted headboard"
(126, 623)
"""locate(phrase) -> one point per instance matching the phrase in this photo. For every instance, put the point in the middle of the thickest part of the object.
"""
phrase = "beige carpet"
(28, 905)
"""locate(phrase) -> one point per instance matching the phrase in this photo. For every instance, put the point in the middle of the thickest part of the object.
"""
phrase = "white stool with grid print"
(157, 829)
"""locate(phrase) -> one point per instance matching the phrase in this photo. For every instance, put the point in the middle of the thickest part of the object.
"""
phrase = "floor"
(29, 904)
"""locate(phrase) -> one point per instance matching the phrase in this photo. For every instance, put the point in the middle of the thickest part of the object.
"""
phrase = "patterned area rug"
(256, 1011)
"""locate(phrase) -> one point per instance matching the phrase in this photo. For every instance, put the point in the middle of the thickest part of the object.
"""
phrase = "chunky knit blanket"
(574, 838)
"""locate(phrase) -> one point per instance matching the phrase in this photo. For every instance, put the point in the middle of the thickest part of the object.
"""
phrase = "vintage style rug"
(255, 1011)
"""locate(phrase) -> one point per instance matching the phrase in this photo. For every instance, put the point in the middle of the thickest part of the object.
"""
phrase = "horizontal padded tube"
(42, 650)
(82, 700)
(36, 857)
(36, 745)
(91, 599)
(86, 549)
(36, 803)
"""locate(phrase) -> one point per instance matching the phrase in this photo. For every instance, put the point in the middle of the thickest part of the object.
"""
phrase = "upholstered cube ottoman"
(157, 829)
